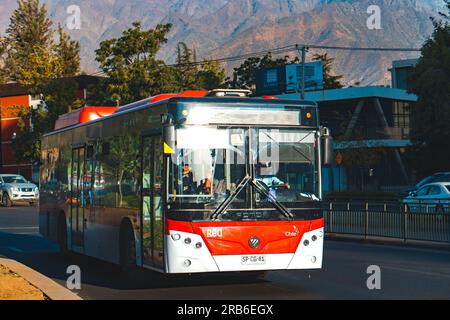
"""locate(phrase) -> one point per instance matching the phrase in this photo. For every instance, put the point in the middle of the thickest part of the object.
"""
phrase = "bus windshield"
(210, 163)
(285, 161)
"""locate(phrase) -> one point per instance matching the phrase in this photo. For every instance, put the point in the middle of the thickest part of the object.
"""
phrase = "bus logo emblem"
(254, 242)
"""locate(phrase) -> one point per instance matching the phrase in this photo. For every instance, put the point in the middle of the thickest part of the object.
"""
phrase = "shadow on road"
(44, 257)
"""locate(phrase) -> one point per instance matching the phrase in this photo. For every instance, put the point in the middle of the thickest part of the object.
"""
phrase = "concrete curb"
(49, 287)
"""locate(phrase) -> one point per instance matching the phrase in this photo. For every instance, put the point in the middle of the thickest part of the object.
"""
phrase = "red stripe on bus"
(232, 238)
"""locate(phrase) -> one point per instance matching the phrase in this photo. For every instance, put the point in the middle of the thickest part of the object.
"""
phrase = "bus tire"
(62, 235)
(127, 251)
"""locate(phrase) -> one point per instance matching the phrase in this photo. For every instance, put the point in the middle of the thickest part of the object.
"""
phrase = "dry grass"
(13, 287)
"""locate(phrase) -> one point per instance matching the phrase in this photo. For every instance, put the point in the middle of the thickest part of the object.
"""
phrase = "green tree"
(430, 118)
(29, 38)
(36, 60)
(244, 76)
(3, 51)
(187, 67)
(197, 76)
(68, 54)
(330, 81)
(130, 62)
(210, 76)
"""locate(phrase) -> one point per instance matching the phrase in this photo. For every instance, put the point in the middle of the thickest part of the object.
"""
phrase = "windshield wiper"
(308, 196)
(233, 194)
(262, 188)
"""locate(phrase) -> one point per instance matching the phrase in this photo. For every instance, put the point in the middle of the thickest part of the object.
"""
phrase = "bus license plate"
(253, 260)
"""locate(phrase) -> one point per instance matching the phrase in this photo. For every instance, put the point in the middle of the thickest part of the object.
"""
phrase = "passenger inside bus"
(187, 179)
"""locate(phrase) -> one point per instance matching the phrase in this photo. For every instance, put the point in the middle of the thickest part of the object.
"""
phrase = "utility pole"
(302, 51)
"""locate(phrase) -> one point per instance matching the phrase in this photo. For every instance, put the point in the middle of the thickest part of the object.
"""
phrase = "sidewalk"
(49, 288)
(388, 241)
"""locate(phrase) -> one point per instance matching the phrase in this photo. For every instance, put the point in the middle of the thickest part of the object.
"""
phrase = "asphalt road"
(406, 272)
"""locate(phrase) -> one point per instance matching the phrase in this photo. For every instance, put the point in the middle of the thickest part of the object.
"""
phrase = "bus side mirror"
(327, 148)
(168, 133)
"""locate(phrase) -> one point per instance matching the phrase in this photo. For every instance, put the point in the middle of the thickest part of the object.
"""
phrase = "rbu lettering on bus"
(214, 233)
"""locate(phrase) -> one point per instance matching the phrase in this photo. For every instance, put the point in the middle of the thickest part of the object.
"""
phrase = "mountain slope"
(218, 28)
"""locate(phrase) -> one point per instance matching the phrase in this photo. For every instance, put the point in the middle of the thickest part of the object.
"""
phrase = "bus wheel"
(62, 235)
(6, 201)
(128, 252)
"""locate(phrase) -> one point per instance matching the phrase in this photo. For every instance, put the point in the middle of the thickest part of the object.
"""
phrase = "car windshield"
(211, 163)
(425, 181)
(439, 177)
(14, 179)
(448, 187)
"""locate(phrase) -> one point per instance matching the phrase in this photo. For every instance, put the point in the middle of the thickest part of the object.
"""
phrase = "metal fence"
(427, 221)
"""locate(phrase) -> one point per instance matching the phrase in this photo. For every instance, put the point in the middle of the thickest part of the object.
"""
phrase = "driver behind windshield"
(270, 179)
(187, 179)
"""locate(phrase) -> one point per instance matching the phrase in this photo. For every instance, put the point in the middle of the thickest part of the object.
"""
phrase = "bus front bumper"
(188, 253)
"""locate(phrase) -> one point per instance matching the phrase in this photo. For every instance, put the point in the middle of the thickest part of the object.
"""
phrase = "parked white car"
(430, 198)
(16, 189)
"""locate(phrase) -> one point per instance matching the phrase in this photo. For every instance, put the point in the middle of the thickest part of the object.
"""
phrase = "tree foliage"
(35, 58)
(130, 62)
(134, 72)
(68, 55)
(430, 81)
(191, 75)
(3, 74)
(330, 80)
(29, 38)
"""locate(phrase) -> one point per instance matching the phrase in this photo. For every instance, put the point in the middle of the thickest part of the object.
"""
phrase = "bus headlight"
(176, 236)
(187, 240)
(187, 263)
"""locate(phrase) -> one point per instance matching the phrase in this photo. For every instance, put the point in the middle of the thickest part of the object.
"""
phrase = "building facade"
(371, 126)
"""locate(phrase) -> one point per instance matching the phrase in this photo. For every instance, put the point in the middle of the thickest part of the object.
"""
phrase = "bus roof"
(257, 102)
(83, 115)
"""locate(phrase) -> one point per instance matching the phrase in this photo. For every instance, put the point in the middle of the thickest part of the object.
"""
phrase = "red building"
(15, 95)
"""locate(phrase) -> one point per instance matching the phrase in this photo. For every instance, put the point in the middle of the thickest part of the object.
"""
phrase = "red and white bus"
(190, 183)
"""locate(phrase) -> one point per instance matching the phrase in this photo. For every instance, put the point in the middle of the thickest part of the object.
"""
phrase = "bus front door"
(77, 198)
(151, 205)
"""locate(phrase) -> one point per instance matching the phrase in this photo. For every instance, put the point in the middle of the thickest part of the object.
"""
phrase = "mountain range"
(223, 28)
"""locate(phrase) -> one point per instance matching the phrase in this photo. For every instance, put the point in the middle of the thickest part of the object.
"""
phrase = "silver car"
(430, 198)
(16, 189)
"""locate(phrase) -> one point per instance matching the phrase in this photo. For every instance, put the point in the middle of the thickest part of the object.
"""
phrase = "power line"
(281, 50)
(293, 48)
